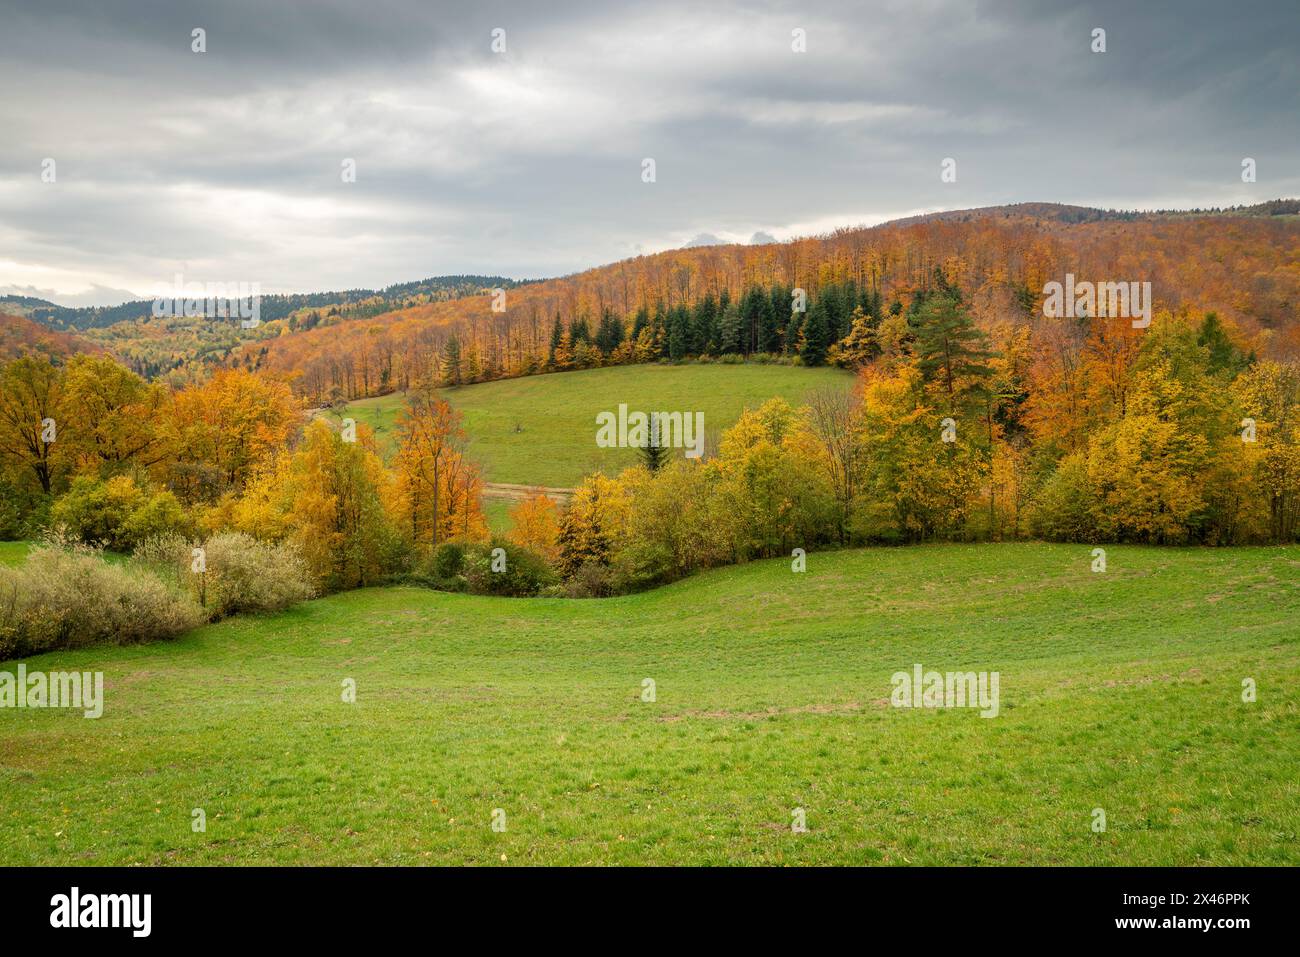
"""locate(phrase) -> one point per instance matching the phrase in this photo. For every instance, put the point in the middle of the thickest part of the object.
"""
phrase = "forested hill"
(353, 302)
(1064, 213)
(731, 299)
(20, 336)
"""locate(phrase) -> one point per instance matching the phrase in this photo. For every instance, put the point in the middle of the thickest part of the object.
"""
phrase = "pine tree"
(951, 351)
(704, 326)
(640, 323)
(815, 335)
(769, 329)
(557, 336)
(750, 319)
(679, 333)
(653, 453)
(451, 362)
(731, 334)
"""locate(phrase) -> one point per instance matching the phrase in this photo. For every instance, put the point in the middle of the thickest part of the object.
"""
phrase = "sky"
(523, 153)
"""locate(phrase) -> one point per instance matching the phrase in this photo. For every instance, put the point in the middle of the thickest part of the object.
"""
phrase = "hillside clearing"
(541, 430)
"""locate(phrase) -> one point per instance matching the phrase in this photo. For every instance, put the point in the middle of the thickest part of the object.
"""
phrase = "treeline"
(1169, 435)
(761, 322)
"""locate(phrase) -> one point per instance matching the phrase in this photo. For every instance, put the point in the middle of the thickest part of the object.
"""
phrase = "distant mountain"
(1064, 213)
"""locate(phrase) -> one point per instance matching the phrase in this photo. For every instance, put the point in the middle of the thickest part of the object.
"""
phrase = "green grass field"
(13, 553)
(1120, 691)
(541, 430)
(497, 513)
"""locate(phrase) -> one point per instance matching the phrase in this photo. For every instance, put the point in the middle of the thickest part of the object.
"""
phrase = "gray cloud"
(225, 165)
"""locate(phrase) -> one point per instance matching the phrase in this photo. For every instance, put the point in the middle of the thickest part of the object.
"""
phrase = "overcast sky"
(226, 165)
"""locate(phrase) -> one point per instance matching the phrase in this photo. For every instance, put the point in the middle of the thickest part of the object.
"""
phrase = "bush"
(643, 564)
(242, 574)
(443, 568)
(71, 598)
(116, 514)
(591, 580)
(465, 566)
(96, 512)
(522, 572)
(160, 515)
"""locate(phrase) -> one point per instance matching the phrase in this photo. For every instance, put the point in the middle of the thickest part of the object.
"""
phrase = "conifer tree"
(815, 338)
(653, 454)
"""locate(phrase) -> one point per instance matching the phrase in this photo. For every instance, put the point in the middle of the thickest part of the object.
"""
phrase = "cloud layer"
(225, 165)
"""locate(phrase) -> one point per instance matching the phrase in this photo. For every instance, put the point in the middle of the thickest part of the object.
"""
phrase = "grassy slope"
(1119, 690)
(557, 444)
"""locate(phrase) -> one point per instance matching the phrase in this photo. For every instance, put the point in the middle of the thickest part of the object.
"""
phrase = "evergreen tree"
(557, 334)
(451, 362)
(609, 334)
(750, 319)
(769, 327)
(640, 323)
(951, 352)
(704, 326)
(783, 318)
(816, 335)
(1224, 356)
(579, 330)
(731, 330)
(653, 453)
(679, 333)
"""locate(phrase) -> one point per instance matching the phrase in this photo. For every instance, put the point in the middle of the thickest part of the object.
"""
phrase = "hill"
(541, 430)
(274, 306)
(22, 337)
(1120, 691)
(1243, 264)
(185, 349)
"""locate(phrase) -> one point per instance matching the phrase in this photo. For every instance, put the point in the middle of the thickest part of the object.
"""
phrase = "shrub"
(591, 580)
(160, 515)
(643, 564)
(116, 514)
(71, 598)
(241, 574)
(522, 573)
(96, 512)
(443, 568)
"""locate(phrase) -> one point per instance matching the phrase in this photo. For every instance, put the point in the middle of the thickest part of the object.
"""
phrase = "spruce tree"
(816, 335)
(653, 453)
(557, 334)
(451, 362)
(951, 351)
(731, 330)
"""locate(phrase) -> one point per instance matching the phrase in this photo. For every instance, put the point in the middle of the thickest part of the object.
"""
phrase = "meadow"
(13, 553)
(1120, 691)
(541, 430)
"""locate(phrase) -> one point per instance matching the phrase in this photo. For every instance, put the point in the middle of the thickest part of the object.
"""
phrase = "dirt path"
(517, 493)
